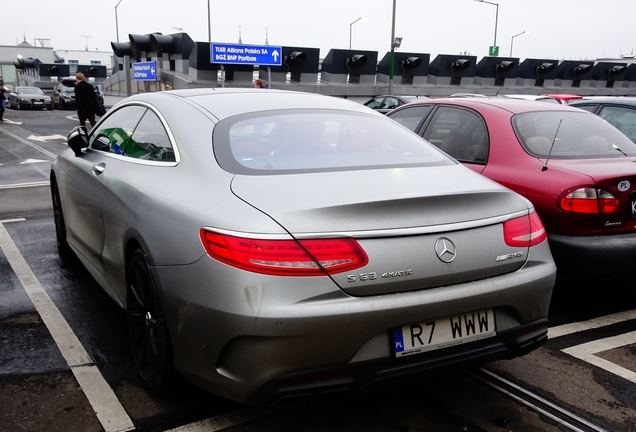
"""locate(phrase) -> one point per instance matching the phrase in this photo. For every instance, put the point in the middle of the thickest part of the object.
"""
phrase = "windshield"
(66, 88)
(576, 135)
(30, 90)
(269, 143)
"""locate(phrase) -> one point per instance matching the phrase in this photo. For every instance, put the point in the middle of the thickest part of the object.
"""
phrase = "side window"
(375, 103)
(116, 129)
(411, 117)
(460, 133)
(390, 103)
(590, 108)
(623, 119)
(150, 140)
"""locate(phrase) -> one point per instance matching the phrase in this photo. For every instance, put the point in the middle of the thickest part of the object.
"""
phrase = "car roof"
(515, 106)
(226, 102)
(631, 101)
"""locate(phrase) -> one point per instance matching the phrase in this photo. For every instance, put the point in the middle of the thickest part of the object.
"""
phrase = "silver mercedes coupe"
(281, 248)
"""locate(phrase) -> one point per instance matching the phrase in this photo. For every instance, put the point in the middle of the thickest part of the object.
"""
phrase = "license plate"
(443, 332)
(633, 209)
(38, 103)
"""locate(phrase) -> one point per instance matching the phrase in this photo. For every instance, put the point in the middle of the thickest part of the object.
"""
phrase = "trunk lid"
(402, 218)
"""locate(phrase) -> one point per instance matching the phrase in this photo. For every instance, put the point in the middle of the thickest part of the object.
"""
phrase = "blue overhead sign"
(145, 71)
(263, 55)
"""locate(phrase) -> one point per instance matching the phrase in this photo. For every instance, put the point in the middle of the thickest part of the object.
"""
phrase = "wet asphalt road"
(38, 391)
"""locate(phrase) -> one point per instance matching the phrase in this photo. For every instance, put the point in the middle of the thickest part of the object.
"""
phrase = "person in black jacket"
(85, 99)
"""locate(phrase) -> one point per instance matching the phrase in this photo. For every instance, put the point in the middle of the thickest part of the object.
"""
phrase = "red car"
(578, 171)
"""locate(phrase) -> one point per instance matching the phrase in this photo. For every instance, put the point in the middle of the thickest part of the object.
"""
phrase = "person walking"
(85, 99)
(3, 103)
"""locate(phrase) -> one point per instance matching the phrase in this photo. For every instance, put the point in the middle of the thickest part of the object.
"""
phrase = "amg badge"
(509, 256)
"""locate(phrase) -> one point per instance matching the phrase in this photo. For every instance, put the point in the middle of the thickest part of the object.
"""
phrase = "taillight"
(588, 200)
(285, 257)
(524, 231)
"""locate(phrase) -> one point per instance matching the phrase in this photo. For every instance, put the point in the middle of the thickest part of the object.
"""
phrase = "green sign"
(493, 51)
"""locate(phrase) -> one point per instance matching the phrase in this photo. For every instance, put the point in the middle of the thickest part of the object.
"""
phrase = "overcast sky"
(557, 29)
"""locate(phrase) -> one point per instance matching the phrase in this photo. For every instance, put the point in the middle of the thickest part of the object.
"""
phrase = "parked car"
(24, 97)
(618, 111)
(281, 248)
(64, 94)
(577, 170)
(539, 98)
(564, 98)
(385, 103)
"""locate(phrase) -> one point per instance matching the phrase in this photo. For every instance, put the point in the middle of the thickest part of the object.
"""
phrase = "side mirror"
(101, 143)
(77, 139)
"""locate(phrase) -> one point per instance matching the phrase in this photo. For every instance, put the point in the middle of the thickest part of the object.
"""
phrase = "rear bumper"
(594, 256)
(245, 338)
(327, 385)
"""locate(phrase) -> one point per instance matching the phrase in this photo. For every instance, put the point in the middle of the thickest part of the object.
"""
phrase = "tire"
(61, 104)
(18, 106)
(63, 249)
(147, 329)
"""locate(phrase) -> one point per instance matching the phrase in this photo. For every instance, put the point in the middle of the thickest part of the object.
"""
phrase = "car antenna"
(545, 166)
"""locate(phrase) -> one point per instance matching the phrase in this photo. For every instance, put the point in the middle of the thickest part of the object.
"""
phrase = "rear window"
(576, 135)
(313, 141)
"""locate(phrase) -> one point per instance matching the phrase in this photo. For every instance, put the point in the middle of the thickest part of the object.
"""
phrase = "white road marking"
(24, 185)
(12, 122)
(587, 350)
(221, 422)
(31, 161)
(566, 329)
(46, 137)
(29, 143)
(109, 411)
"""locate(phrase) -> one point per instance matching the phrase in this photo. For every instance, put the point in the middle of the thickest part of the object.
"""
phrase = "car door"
(85, 177)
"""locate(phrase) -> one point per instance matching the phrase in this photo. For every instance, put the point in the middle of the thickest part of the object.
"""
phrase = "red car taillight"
(285, 257)
(588, 200)
(524, 231)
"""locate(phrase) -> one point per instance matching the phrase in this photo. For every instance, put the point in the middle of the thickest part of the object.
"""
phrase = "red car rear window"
(570, 135)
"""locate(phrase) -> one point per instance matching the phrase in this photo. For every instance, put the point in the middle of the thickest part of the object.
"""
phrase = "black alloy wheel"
(58, 216)
(147, 329)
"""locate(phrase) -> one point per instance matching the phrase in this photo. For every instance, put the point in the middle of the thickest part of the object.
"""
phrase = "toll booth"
(175, 50)
(47, 71)
(537, 73)
(606, 74)
(452, 69)
(121, 50)
(349, 66)
(300, 63)
(408, 68)
(572, 73)
(496, 71)
(98, 73)
(200, 66)
(144, 48)
(630, 76)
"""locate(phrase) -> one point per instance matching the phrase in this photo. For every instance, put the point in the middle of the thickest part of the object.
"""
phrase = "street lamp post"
(496, 17)
(512, 39)
(116, 20)
(392, 56)
(351, 28)
(209, 24)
